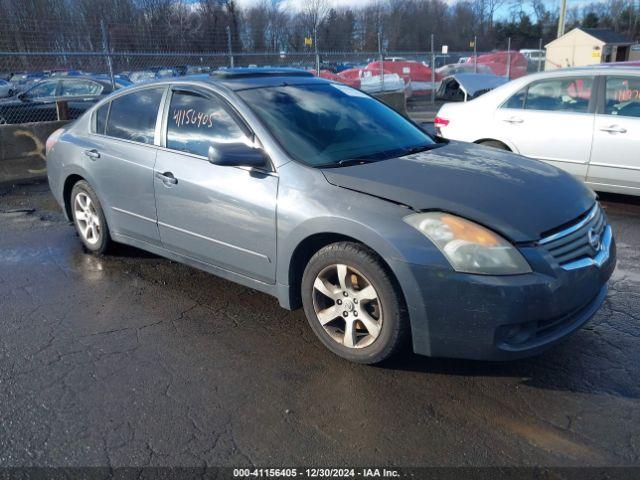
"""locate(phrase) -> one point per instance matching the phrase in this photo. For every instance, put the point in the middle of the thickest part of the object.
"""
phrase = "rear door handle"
(93, 154)
(614, 129)
(513, 120)
(167, 178)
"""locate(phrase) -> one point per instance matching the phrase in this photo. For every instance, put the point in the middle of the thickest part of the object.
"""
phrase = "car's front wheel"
(353, 304)
(89, 218)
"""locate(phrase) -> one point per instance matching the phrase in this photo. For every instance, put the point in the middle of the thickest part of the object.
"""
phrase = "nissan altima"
(322, 196)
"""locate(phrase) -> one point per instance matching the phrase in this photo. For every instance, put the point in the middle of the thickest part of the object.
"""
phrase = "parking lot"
(131, 359)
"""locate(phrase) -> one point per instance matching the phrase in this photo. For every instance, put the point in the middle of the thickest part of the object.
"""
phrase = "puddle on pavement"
(549, 440)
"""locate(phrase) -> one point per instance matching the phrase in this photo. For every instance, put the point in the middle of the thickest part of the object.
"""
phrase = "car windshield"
(142, 76)
(326, 125)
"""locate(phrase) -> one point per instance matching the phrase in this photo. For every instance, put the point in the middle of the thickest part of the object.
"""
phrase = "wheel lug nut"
(346, 294)
(355, 314)
(345, 314)
(339, 302)
(355, 300)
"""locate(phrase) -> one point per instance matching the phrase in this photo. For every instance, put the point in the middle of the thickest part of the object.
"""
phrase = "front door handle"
(167, 178)
(513, 120)
(93, 154)
(614, 129)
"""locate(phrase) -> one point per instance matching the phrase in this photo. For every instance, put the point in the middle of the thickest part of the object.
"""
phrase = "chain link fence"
(59, 76)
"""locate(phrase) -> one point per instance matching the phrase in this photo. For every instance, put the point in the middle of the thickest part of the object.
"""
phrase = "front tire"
(89, 219)
(353, 303)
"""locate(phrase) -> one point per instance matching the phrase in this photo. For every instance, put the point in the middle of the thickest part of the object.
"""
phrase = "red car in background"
(351, 81)
(498, 61)
(417, 73)
(351, 74)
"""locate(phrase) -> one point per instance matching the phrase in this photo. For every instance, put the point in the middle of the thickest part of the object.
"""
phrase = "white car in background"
(534, 55)
(583, 120)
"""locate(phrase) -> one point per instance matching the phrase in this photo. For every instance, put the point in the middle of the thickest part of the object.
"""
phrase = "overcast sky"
(551, 4)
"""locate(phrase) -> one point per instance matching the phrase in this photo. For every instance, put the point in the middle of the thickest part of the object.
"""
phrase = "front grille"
(582, 239)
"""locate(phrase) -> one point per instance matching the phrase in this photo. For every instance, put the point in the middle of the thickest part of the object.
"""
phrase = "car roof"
(247, 78)
(593, 69)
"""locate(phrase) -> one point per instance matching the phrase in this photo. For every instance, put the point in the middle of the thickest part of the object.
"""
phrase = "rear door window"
(196, 122)
(560, 95)
(133, 116)
(43, 90)
(516, 101)
(623, 97)
(101, 118)
(77, 88)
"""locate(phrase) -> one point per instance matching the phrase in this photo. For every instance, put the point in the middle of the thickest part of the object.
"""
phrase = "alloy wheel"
(87, 218)
(347, 306)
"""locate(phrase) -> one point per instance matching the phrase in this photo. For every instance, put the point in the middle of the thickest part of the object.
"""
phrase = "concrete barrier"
(22, 155)
(395, 100)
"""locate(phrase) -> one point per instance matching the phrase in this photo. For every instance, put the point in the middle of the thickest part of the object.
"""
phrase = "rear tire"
(495, 144)
(89, 219)
(353, 304)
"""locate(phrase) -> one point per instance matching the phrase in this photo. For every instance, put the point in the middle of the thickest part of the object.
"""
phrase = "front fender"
(308, 205)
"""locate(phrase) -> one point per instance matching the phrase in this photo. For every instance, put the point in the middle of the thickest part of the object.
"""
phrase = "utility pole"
(540, 56)
(315, 44)
(433, 72)
(509, 58)
(475, 54)
(229, 46)
(561, 17)
(381, 61)
(106, 48)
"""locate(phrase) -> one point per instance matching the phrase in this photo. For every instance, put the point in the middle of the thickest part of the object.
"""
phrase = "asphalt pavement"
(132, 360)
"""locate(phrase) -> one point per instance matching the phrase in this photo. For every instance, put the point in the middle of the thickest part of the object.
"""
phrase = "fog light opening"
(520, 333)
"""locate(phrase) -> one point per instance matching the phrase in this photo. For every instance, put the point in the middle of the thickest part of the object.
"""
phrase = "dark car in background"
(66, 73)
(23, 80)
(38, 103)
(6, 88)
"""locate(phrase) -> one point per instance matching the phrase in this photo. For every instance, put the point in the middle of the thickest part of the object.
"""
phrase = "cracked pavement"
(134, 360)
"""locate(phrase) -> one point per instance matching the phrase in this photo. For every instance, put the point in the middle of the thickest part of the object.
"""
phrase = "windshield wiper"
(374, 157)
(421, 148)
(347, 162)
(354, 161)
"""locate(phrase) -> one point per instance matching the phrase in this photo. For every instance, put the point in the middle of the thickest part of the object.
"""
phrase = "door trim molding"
(612, 165)
(141, 217)
(213, 240)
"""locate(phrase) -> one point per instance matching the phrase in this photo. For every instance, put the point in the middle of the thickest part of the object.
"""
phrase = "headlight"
(469, 247)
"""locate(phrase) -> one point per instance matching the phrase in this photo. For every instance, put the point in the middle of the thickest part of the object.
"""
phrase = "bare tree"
(313, 12)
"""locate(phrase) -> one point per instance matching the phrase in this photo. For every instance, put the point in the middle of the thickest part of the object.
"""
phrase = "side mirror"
(236, 155)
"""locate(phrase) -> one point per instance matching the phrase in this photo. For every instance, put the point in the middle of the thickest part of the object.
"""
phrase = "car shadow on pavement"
(619, 198)
(573, 366)
(120, 250)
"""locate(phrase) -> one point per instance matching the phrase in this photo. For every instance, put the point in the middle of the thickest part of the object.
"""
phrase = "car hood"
(516, 196)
